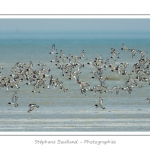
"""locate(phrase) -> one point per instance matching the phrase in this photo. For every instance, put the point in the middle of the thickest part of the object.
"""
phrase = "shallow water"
(72, 111)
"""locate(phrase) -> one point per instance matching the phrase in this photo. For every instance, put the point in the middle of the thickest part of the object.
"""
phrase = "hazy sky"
(75, 28)
(75, 25)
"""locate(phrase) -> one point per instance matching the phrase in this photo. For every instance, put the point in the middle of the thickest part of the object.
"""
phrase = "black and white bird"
(32, 106)
(124, 48)
(148, 98)
(114, 53)
(14, 100)
(117, 88)
(53, 50)
(100, 103)
(133, 51)
(83, 55)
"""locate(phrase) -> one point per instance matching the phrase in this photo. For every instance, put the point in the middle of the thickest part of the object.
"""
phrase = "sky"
(126, 26)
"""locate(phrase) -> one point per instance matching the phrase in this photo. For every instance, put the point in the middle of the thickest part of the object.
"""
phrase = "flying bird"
(32, 106)
(100, 103)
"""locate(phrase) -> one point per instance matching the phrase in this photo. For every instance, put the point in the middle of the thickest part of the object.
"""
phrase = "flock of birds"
(71, 66)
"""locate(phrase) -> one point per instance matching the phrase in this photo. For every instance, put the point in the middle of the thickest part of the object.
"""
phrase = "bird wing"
(31, 108)
(101, 103)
